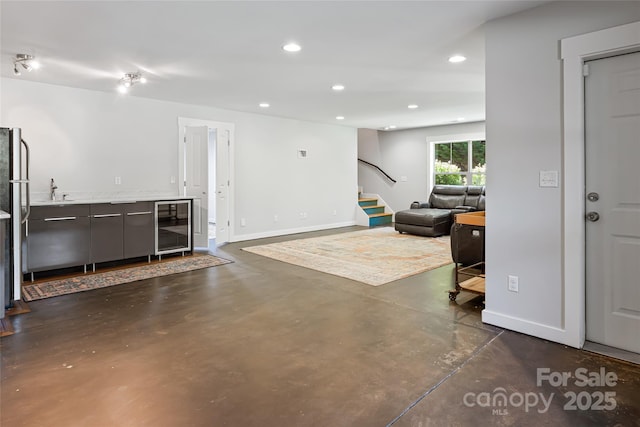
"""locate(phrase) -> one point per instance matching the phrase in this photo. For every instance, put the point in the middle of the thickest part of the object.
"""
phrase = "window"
(459, 163)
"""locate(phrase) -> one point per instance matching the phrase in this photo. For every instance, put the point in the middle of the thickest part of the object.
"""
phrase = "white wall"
(404, 153)
(524, 136)
(84, 139)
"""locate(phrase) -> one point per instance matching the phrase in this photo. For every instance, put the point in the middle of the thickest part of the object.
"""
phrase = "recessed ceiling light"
(412, 106)
(292, 47)
(337, 87)
(457, 58)
(391, 126)
(339, 117)
(460, 119)
(264, 105)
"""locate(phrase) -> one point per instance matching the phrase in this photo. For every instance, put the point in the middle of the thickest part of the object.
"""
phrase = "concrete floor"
(264, 343)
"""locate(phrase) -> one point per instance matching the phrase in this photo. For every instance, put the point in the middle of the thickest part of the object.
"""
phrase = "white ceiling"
(388, 54)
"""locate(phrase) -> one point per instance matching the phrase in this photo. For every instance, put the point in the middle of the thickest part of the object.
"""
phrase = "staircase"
(375, 212)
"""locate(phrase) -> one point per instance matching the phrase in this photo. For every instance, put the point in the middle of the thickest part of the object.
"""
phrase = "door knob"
(593, 216)
(593, 197)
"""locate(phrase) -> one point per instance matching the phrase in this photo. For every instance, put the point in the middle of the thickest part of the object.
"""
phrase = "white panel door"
(223, 181)
(196, 180)
(612, 116)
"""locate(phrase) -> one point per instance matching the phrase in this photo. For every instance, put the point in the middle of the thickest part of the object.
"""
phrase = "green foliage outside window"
(479, 176)
(451, 166)
(443, 171)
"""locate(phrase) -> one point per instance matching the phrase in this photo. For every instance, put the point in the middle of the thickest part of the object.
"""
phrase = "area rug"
(374, 256)
(91, 281)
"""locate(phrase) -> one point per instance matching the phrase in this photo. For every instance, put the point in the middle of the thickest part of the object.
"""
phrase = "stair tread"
(368, 199)
(373, 207)
(379, 214)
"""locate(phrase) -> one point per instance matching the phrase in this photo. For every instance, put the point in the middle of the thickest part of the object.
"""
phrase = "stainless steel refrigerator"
(14, 199)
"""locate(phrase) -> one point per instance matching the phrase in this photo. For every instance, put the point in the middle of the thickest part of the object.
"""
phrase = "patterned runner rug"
(375, 256)
(91, 281)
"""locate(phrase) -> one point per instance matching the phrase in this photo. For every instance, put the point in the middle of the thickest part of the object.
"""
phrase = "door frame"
(183, 122)
(574, 52)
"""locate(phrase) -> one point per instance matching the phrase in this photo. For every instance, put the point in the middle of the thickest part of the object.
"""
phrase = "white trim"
(277, 233)
(574, 51)
(528, 327)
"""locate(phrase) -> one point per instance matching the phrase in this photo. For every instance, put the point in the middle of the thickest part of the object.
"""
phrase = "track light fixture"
(129, 79)
(26, 62)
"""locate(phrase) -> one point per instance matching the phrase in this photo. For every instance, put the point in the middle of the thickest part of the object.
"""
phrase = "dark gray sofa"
(435, 217)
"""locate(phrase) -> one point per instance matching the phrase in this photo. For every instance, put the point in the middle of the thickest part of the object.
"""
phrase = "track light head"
(27, 62)
(130, 79)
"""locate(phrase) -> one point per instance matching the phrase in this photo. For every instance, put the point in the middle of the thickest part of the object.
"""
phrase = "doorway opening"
(205, 169)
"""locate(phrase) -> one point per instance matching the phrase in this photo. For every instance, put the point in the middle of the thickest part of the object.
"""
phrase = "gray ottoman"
(424, 222)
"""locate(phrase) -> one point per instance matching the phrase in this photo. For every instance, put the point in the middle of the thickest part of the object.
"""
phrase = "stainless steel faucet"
(52, 190)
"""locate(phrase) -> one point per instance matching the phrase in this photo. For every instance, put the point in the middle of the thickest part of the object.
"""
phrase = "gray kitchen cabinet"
(58, 236)
(107, 241)
(71, 235)
(139, 229)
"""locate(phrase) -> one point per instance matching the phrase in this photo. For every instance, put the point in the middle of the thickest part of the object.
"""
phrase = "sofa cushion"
(447, 196)
(482, 203)
(423, 217)
(474, 193)
(440, 230)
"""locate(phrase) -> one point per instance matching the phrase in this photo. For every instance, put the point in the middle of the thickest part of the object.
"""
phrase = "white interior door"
(196, 180)
(222, 184)
(612, 117)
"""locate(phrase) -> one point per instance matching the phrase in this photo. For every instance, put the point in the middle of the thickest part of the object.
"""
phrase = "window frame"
(432, 141)
(448, 140)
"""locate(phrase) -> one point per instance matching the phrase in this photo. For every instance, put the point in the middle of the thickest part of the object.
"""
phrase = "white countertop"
(4, 215)
(105, 200)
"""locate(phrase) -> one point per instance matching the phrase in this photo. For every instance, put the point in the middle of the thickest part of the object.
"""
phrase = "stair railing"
(380, 170)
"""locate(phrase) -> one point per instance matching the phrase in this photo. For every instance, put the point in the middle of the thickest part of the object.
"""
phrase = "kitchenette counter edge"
(114, 201)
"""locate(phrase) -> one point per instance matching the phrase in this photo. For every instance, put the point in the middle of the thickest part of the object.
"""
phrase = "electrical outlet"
(512, 282)
(243, 222)
(173, 180)
(118, 180)
(335, 212)
(275, 218)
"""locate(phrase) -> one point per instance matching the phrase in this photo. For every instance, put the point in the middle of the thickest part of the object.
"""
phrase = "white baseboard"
(528, 327)
(276, 233)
